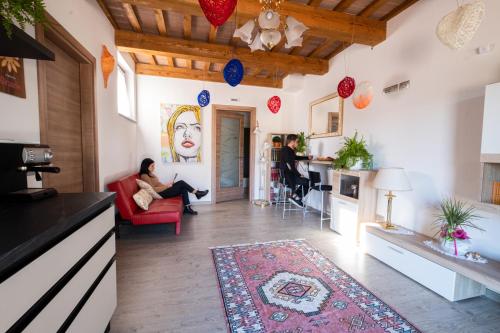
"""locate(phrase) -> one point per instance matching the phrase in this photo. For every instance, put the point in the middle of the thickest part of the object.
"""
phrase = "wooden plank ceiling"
(173, 38)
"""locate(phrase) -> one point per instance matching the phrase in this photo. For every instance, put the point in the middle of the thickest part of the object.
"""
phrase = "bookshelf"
(272, 175)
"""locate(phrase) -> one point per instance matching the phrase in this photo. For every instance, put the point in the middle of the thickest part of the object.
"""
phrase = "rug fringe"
(256, 243)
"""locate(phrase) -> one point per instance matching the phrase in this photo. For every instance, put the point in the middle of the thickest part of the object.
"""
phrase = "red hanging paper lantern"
(217, 11)
(274, 104)
(346, 87)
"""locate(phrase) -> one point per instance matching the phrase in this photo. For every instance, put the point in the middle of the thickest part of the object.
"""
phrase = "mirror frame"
(341, 116)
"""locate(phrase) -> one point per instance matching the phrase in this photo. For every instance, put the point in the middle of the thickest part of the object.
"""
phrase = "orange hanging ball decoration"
(363, 95)
(107, 64)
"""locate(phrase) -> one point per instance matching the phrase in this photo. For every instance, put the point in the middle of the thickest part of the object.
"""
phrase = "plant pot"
(299, 153)
(358, 165)
(463, 246)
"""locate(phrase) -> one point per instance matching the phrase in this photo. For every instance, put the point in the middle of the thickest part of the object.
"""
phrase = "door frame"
(253, 121)
(58, 35)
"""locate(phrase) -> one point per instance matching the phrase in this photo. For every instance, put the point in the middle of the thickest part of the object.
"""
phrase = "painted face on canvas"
(187, 135)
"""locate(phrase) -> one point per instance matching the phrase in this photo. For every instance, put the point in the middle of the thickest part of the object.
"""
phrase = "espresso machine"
(17, 160)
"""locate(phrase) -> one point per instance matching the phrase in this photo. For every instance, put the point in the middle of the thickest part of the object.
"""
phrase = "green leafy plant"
(301, 143)
(21, 11)
(352, 151)
(455, 215)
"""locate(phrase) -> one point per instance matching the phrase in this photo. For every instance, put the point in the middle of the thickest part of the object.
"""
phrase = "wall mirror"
(326, 116)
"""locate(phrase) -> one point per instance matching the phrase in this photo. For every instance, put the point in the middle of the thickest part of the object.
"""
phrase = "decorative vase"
(463, 246)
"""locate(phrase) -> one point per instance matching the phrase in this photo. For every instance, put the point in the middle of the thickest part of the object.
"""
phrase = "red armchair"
(160, 211)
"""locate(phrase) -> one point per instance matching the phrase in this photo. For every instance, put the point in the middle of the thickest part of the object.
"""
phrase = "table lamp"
(391, 179)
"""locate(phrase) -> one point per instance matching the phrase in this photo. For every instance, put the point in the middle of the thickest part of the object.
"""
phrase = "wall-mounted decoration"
(233, 72)
(12, 76)
(274, 104)
(458, 27)
(181, 133)
(204, 98)
(217, 11)
(346, 87)
(326, 116)
(363, 95)
(107, 64)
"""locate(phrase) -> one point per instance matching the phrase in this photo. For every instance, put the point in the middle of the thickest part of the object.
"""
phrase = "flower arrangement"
(455, 215)
(301, 143)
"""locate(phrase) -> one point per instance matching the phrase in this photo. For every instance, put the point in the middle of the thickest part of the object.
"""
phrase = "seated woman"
(170, 189)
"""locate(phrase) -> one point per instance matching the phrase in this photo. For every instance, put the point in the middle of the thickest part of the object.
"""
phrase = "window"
(126, 89)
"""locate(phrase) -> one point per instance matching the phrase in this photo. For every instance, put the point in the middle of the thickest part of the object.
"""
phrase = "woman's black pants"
(179, 188)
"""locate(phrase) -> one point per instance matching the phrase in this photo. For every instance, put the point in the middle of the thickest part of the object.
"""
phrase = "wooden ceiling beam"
(339, 49)
(193, 74)
(212, 35)
(187, 26)
(399, 9)
(325, 45)
(160, 22)
(372, 8)
(315, 3)
(108, 14)
(134, 22)
(343, 5)
(128, 41)
(321, 22)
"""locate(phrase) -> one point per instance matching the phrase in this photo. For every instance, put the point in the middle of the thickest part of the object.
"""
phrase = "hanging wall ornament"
(458, 27)
(204, 98)
(274, 104)
(217, 11)
(233, 72)
(363, 95)
(107, 64)
(346, 87)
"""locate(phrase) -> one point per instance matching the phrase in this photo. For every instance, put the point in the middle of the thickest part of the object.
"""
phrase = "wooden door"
(64, 121)
(229, 154)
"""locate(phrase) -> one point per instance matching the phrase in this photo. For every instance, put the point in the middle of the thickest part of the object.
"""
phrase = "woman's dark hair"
(145, 166)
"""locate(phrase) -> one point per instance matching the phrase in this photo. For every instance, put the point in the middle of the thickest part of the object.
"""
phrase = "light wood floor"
(167, 283)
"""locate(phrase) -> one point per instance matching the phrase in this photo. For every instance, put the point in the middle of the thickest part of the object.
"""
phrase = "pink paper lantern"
(363, 95)
(217, 11)
(346, 87)
(274, 104)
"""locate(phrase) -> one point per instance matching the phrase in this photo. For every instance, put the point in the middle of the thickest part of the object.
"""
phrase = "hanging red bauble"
(346, 87)
(217, 11)
(274, 104)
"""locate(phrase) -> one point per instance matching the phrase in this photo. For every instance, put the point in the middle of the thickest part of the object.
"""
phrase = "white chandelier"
(266, 33)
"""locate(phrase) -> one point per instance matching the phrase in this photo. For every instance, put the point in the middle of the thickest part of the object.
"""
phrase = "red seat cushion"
(160, 211)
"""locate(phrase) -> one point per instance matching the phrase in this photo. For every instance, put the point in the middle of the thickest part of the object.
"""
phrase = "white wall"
(433, 129)
(152, 91)
(19, 117)
(490, 143)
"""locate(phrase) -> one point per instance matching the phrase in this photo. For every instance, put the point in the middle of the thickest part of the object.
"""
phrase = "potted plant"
(276, 141)
(454, 217)
(301, 144)
(353, 155)
(21, 11)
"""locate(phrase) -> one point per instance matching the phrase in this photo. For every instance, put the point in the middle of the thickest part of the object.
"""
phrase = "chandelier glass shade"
(267, 29)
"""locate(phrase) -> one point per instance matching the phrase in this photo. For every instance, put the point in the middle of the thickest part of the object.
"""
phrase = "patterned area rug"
(289, 287)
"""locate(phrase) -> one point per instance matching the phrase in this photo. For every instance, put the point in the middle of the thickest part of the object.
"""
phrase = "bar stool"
(283, 190)
(316, 185)
(287, 205)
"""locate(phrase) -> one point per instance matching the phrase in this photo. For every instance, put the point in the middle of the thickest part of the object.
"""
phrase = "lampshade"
(256, 44)
(269, 19)
(392, 179)
(270, 38)
(245, 31)
(294, 29)
(294, 43)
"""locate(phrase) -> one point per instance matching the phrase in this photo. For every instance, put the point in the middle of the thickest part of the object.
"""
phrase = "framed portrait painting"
(181, 133)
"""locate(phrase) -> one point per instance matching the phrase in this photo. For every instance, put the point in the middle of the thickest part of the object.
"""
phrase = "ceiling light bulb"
(245, 31)
(269, 19)
(270, 38)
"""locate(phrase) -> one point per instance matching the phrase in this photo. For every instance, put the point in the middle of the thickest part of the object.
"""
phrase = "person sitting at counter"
(170, 189)
(289, 170)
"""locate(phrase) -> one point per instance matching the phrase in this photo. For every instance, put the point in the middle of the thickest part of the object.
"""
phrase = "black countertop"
(29, 229)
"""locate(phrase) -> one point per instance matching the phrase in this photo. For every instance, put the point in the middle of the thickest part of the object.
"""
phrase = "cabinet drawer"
(435, 277)
(56, 312)
(23, 289)
(97, 311)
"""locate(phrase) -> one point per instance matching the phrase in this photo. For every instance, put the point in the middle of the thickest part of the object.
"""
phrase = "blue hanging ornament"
(233, 72)
(204, 98)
